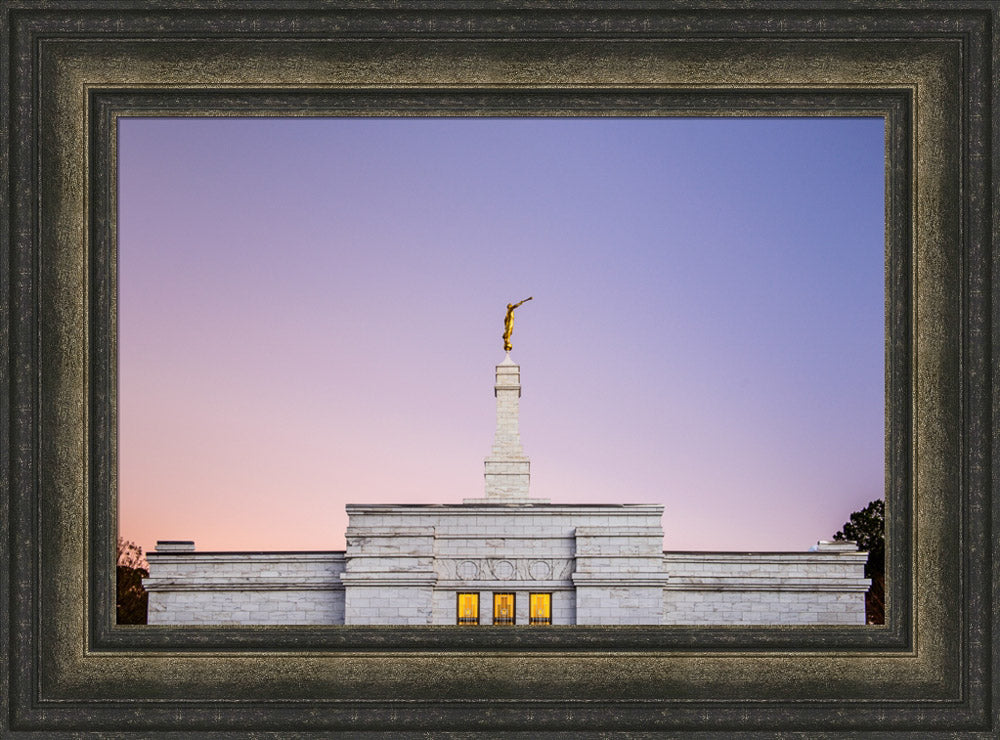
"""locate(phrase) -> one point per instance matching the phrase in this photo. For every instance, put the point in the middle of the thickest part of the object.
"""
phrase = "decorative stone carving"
(487, 569)
(504, 570)
(540, 570)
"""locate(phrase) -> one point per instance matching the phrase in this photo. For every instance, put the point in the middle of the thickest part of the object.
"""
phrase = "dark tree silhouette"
(132, 597)
(867, 528)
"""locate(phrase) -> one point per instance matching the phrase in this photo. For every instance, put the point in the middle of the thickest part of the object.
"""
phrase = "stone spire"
(507, 467)
(507, 438)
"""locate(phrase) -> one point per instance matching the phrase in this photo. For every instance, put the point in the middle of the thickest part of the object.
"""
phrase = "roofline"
(765, 552)
(501, 505)
(246, 552)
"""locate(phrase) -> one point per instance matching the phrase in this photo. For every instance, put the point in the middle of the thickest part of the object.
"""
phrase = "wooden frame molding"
(69, 69)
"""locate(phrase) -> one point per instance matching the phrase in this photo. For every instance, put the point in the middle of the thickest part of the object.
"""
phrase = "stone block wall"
(519, 548)
(602, 564)
(244, 607)
(188, 587)
(389, 602)
(619, 574)
(823, 587)
(564, 607)
(389, 575)
(611, 604)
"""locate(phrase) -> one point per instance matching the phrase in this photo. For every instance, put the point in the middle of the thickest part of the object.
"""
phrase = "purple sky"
(311, 311)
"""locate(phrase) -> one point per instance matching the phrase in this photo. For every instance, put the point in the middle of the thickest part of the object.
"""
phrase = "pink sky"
(311, 310)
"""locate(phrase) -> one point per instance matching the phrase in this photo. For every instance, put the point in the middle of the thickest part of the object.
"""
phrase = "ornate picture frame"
(71, 69)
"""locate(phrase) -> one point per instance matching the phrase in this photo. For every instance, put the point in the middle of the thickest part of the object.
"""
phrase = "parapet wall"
(826, 586)
(245, 587)
(601, 566)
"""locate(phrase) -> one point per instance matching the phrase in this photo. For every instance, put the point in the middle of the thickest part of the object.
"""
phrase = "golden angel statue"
(508, 324)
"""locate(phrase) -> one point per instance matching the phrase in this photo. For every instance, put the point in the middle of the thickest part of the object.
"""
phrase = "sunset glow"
(311, 311)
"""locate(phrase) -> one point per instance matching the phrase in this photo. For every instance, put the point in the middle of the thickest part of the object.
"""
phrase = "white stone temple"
(506, 559)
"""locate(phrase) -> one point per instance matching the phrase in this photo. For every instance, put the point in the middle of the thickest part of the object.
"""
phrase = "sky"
(311, 310)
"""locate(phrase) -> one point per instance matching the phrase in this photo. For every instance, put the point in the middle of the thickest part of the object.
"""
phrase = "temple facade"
(506, 558)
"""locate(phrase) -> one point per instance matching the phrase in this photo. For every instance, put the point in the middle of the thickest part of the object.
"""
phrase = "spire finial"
(508, 324)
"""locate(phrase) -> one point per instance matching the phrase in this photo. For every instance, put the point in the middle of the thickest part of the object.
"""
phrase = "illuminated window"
(468, 608)
(503, 608)
(541, 609)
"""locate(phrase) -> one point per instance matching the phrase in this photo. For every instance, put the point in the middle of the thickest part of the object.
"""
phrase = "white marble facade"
(489, 560)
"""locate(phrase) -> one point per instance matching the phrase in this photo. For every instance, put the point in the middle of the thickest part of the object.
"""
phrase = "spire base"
(507, 469)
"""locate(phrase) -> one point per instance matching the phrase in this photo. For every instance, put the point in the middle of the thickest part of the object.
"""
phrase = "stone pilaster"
(389, 574)
(619, 576)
